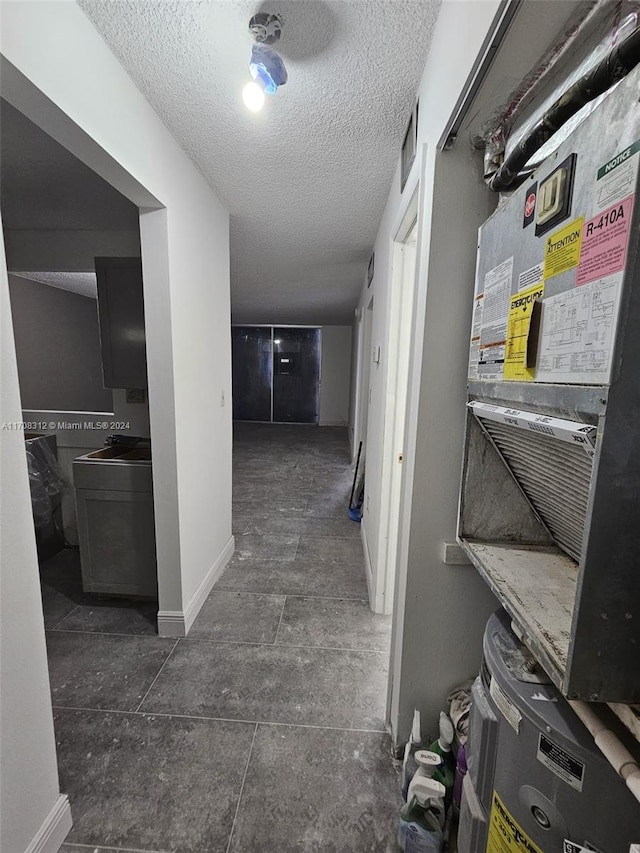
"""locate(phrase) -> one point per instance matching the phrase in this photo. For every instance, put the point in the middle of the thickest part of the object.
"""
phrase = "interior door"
(296, 375)
(252, 372)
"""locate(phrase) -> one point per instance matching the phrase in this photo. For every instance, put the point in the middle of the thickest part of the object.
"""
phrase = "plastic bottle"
(420, 830)
(442, 746)
(409, 765)
(461, 772)
(429, 767)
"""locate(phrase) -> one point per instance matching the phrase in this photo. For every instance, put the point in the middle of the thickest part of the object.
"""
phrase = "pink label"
(604, 242)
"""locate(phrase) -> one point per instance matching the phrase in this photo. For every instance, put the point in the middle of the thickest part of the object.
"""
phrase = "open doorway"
(69, 235)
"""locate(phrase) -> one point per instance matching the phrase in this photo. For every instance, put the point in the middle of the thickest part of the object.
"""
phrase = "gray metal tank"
(535, 777)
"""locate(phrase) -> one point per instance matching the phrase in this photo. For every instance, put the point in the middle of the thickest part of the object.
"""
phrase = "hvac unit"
(536, 782)
(550, 496)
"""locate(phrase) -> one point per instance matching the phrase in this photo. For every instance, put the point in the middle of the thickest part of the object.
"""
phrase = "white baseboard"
(54, 830)
(367, 565)
(177, 623)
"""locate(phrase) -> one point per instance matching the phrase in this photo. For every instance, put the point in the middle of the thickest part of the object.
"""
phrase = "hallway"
(263, 730)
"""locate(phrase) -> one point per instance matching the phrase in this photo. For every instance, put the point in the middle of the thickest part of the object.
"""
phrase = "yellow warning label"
(562, 251)
(518, 325)
(505, 835)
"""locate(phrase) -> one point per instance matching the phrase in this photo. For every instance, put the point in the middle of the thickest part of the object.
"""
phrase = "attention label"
(560, 762)
(505, 834)
(562, 250)
(604, 242)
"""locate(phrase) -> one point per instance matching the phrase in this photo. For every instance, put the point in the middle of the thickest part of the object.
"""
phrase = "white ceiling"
(306, 179)
(82, 283)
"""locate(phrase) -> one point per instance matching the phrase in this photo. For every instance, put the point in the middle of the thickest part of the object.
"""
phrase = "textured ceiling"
(306, 179)
(43, 186)
(82, 283)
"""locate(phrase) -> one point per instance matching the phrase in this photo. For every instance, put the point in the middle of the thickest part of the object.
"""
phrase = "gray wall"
(335, 375)
(58, 348)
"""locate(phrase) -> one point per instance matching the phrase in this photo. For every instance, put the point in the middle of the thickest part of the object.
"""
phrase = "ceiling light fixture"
(253, 97)
(265, 65)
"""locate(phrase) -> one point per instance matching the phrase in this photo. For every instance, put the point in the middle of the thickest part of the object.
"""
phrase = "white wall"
(63, 77)
(440, 610)
(59, 72)
(335, 375)
(30, 801)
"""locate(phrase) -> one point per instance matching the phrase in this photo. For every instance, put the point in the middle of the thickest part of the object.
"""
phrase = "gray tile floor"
(263, 730)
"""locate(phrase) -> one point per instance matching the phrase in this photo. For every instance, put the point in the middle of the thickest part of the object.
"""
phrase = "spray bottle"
(429, 767)
(409, 765)
(420, 830)
(442, 747)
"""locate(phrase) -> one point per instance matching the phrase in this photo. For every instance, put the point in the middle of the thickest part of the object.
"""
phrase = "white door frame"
(400, 338)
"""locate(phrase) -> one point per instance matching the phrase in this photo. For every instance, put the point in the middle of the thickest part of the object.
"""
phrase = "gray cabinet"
(121, 318)
(114, 504)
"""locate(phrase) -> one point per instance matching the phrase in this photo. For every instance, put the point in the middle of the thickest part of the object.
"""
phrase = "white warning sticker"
(506, 706)
(560, 762)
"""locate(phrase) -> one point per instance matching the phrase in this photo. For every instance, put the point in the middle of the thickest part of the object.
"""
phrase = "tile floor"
(263, 730)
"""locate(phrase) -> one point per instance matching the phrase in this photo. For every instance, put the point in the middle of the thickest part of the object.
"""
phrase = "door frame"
(403, 291)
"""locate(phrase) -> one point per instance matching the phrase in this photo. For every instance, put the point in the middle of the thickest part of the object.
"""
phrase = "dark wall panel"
(58, 348)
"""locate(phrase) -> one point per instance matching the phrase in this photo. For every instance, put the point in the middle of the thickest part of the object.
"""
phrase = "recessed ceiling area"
(306, 179)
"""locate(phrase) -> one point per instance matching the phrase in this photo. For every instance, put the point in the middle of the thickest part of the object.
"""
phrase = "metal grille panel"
(555, 477)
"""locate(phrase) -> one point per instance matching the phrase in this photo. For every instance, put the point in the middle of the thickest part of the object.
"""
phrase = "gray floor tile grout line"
(166, 715)
(280, 645)
(175, 646)
(284, 604)
(60, 630)
(81, 846)
(244, 779)
(292, 595)
(55, 627)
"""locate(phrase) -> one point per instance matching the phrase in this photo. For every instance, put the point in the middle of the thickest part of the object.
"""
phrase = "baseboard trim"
(54, 830)
(177, 623)
(367, 565)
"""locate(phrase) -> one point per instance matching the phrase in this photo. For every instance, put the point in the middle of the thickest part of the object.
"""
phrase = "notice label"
(617, 184)
(560, 762)
(495, 310)
(520, 311)
(506, 706)
(576, 333)
(534, 275)
(604, 242)
(505, 834)
(562, 251)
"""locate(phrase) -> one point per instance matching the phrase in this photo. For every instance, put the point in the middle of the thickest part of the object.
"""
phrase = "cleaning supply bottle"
(420, 830)
(414, 743)
(429, 767)
(442, 746)
(461, 772)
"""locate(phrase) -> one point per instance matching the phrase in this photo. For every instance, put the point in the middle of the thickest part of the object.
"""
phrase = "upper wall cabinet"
(121, 316)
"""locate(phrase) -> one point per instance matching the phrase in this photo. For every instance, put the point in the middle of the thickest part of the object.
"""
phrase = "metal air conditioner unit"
(550, 496)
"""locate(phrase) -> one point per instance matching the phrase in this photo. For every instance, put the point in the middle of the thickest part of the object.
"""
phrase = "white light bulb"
(253, 97)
